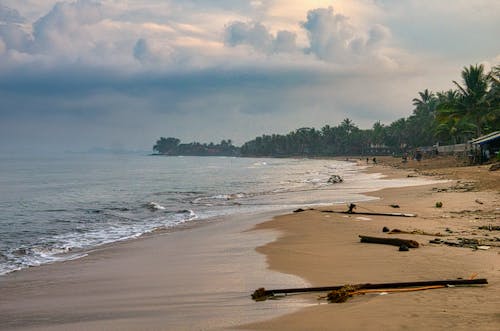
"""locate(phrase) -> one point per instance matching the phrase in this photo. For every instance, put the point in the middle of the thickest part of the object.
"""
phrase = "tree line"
(173, 146)
(455, 116)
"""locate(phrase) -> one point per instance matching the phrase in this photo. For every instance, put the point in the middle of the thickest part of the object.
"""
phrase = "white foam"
(155, 206)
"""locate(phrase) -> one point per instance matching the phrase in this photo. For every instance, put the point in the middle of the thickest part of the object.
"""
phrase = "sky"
(75, 75)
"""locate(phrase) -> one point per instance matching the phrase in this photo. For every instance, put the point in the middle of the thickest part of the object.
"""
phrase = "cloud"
(257, 36)
(253, 34)
(15, 37)
(285, 42)
(330, 36)
(9, 15)
(141, 50)
(105, 70)
(333, 38)
(65, 26)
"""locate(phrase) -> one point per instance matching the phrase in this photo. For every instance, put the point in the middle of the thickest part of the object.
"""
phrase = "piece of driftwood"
(352, 206)
(389, 241)
(420, 232)
(262, 294)
(370, 213)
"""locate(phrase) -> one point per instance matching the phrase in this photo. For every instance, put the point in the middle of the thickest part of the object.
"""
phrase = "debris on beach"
(390, 241)
(419, 232)
(342, 293)
(403, 248)
(460, 186)
(352, 206)
(335, 179)
(489, 227)
(465, 243)
(394, 205)
(439, 204)
(301, 210)
(483, 247)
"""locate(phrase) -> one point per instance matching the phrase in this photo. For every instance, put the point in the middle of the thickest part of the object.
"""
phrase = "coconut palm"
(426, 103)
(472, 96)
(421, 123)
(493, 99)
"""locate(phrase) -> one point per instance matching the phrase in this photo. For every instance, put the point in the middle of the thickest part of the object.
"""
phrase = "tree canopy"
(173, 146)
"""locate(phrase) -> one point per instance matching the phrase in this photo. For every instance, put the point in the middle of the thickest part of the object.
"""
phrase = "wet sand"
(195, 279)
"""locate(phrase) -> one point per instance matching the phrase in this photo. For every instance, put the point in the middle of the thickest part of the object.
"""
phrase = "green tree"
(472, 97)
(493, 99)
(421, 124)
(166, 145)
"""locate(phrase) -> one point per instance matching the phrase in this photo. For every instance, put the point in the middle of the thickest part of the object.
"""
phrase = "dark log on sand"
(390, 241)
(370, 213)
(262, 294)
(419, 232)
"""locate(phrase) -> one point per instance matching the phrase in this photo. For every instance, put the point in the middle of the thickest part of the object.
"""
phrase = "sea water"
(58, 207)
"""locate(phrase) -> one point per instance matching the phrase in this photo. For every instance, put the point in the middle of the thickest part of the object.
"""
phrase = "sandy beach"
(324, 249)
(146, 284)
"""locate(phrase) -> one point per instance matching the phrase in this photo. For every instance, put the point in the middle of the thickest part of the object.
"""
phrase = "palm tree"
(426, 103)
(493, 99)
(421, 124)
(473, 96)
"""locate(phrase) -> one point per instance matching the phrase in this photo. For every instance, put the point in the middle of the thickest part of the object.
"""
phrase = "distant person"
(405, 157)
(418, 156)
(367, 160)
(374, 160)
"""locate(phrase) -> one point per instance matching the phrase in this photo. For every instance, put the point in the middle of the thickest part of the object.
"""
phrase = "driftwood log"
(419, 232)
(370, 213)
(263, 294)
(389, 241)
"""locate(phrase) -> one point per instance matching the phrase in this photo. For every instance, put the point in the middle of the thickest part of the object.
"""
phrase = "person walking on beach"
(418, 156)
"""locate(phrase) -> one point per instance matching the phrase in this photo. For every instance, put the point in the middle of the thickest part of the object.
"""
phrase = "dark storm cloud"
(87, 80)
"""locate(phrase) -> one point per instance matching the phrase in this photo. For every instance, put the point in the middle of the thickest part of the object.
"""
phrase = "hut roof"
(486, 138)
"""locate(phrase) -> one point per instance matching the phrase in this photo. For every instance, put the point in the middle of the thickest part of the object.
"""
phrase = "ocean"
(55, 208)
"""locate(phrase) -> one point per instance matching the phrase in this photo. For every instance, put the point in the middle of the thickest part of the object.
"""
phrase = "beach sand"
(193, 279)
(324, 249)
(202, 278)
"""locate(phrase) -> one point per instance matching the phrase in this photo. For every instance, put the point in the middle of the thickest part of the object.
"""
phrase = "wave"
(154, 206)
(74, 243)
(68, 226)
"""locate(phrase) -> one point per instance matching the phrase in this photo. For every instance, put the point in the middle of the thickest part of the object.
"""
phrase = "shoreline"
(142, 284)
(324, 249)
(181, 280)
